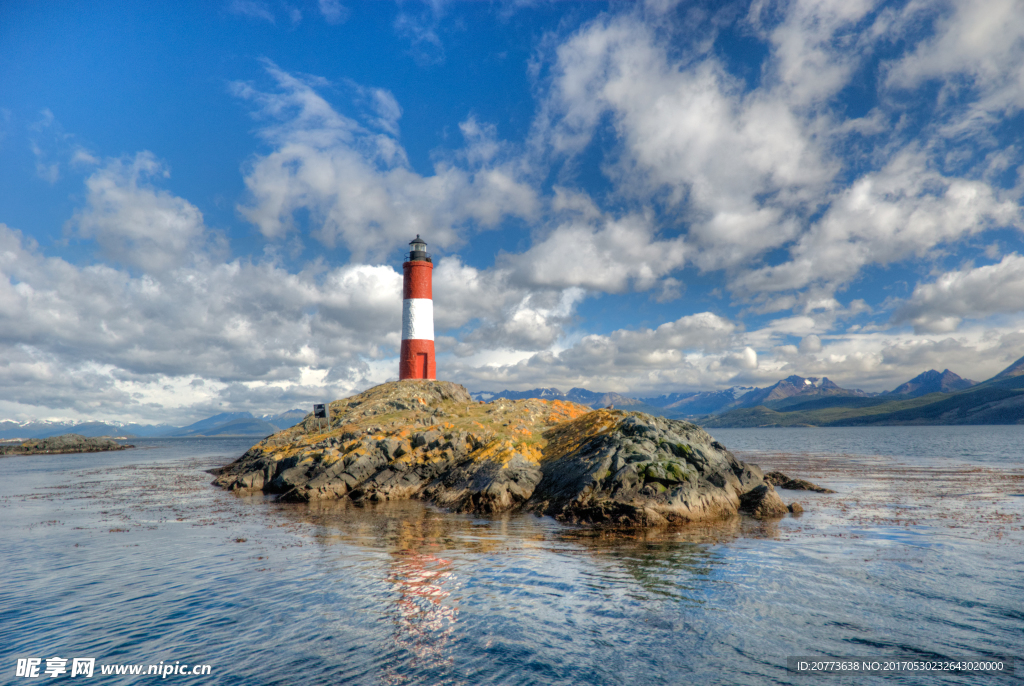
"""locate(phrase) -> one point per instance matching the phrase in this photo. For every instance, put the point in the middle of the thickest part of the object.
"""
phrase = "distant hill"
(10, 430)
(797, 386)
(285, 420)
(204, 426)
(797, 400)
(1015, 369)
(240, 424)
(224, 424)
(242, 427)
(686, 405)
(669, 399)
(1000, 400)
(932, 381)
(695, 404)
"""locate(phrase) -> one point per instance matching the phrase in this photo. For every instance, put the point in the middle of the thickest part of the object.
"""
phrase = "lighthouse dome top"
(418, 250)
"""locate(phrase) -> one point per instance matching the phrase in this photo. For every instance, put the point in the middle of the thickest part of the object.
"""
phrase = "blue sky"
(204, 206)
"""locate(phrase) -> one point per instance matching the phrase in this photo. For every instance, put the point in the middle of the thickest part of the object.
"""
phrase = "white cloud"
(333, 11)
(693, 351)
(499, 313)
(615, 256)
(744, 359)
(740, 166)
(134, 222)
(357, 184)
(811, 343)
(817, 46)
(979, 292)
(702, 169)
(51, 146)
(252, 9)
(235, 322)
(978, 45)
(706, 351)
(901, 211)
(421, 30)
(746, 169)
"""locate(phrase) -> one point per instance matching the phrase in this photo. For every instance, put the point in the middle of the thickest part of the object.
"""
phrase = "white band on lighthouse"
(417, 319)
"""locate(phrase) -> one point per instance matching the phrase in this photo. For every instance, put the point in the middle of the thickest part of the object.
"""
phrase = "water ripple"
(135, 558)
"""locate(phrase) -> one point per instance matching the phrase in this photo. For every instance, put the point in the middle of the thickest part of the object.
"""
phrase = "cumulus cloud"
(979, 292)
(810, 343)
(707, 351)
(748, 169)
(498, 313)
(977, 49)
(692, 351)
(234, 322)
(902, 211)
(356, 182)
(817, 46)
(135, 223)
(612, 256)
(741, 166)
(763, 179)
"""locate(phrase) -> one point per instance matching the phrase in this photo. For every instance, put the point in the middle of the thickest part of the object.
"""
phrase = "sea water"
(133, 558)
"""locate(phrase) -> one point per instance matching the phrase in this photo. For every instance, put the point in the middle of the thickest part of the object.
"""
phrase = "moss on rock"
(431, 440)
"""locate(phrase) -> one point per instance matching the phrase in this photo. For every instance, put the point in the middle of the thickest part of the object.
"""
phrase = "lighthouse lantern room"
(417, 358)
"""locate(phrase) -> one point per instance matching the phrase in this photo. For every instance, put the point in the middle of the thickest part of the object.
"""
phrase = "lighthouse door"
(421, 364)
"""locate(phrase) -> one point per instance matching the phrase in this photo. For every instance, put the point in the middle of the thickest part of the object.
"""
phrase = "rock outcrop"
(782, 481)
(67, 443)
(430, 440)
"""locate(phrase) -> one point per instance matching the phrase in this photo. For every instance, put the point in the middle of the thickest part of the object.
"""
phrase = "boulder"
(763, 502)
(780, 480)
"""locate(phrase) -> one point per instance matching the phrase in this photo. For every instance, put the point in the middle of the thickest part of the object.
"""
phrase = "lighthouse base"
(417, 360)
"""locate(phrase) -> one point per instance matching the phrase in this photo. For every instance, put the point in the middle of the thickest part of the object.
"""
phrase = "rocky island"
(430, 440)
(68, 443)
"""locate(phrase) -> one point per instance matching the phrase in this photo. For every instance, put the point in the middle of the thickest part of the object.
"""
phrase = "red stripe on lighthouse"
(417, 356)
(418, 280)
(417, 360)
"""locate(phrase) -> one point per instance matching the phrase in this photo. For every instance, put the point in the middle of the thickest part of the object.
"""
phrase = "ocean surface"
(133, 558)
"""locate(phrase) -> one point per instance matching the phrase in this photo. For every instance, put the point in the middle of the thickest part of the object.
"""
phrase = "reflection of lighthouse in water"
(417, 358)
(424, 621)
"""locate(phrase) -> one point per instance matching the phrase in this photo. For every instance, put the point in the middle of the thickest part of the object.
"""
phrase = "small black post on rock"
(321, 412)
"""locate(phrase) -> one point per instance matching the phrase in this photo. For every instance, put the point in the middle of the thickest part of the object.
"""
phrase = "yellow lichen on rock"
(431, 440)
(568, 436)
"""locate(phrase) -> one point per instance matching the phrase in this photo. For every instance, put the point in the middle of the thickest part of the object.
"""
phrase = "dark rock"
(423, 438)
(796, 508)
(67, 443)
(671, 473)
(763, 502)
(554, 458)
(780, 480)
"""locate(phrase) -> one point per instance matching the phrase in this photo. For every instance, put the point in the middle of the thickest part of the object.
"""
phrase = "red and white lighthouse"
(417, 360)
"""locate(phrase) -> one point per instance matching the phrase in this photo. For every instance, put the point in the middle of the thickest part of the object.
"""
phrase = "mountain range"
(693, 404)
(932, 397)
(999, 400)
(225, 424)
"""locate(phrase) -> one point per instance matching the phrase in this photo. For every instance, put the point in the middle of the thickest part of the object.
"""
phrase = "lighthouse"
(417, 360)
